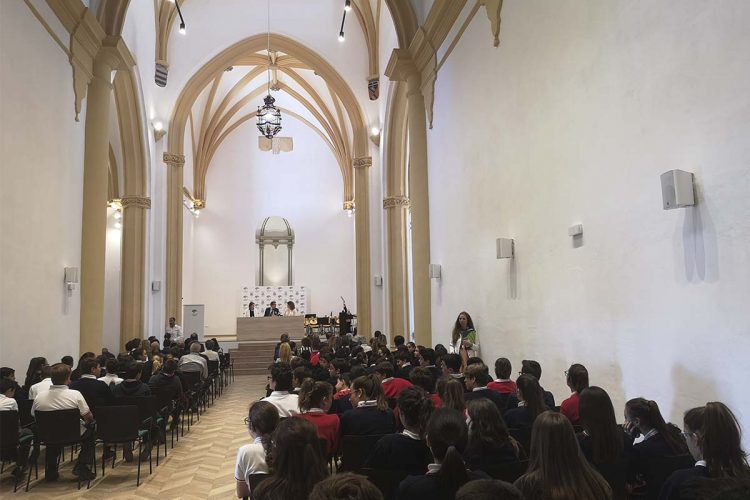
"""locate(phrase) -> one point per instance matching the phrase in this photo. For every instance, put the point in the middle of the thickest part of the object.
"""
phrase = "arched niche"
(275, 239)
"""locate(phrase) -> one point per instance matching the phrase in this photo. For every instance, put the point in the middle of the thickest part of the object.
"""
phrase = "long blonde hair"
(285, 353)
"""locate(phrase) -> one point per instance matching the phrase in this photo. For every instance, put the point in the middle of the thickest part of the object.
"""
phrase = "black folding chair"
(120, 425)
(147, 416)
(386, 481)
(193, 387)
(10, 442)
(254, 480)
(213, 377)
(166, 407)
(24, 413)
(355, 450)
(60, 428)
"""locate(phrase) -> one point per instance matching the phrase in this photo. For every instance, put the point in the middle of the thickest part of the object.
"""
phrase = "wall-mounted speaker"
(677, 189)
(435, 271)
(505, 248)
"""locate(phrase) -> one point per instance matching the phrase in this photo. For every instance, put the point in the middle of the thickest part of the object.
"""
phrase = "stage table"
(269, 329)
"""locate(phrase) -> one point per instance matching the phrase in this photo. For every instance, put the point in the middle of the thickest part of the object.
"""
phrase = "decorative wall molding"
(362, 162)
(493, 8)
(395, 202)
(135, 201)
(174, 160)
(349, 205)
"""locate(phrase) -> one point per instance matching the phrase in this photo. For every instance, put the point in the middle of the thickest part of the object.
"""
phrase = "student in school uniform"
(392, 386)
(447, 436)
(503, 384)
(406, 451)
(577, 379)
(530, 406)
(315, 400)
(714, 439)
(370, 415)
(490, 442)
(476, 378)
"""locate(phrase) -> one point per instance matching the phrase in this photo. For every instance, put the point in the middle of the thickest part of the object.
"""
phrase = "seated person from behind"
(577, 378)
(447, 436)
(427, 360)
(194, 362)
(490, 443)
(503, 384)
(533, 368)
(406, 451)
(476, 378)
(261, 421)
(345, 486)
(281, 386)
(422, 377)
(603, 441)
(341, 399)
(60, 397)
(452, 367)
(166, 381)
(95, 392)
(132, 385)
(8, 403)
(370, 415)
(315, 398)
(392, 387)
(43, 385)
(404, 364)
(530, 406)
(210, 351)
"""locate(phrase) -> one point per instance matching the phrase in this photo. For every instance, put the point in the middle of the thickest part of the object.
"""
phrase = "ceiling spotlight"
(118, 225)
(341, 36)
(348, 5)
(118, 215)
(375, 131)
(158, 126)
(182, 29)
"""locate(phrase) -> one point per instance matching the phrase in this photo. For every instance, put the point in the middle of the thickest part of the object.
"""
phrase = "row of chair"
(133, 420)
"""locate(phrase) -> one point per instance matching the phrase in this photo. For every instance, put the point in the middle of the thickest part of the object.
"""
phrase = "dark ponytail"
(721, 440)
(447, 436)
(648, 411)
(370, 385)
(415, 408)
(532, 393)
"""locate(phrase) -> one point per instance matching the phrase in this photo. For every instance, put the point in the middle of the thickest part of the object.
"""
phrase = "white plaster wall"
(112, 284)
(574, 117)
(243, 187)
(41, 178)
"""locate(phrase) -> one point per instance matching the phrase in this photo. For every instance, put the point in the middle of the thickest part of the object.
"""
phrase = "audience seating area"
(151, 419)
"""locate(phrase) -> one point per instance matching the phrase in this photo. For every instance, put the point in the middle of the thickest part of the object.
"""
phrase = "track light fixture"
(182, 20)
(347, 8)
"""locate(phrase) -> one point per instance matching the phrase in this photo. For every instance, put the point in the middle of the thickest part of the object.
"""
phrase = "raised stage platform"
(257, 338)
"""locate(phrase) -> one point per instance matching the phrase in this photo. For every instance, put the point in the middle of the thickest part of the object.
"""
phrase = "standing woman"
(464, 340)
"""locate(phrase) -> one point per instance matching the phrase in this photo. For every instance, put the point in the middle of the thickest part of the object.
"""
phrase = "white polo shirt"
(110, 378)
(287, 404)
(7, 404)
(40, 387)
(60, 397)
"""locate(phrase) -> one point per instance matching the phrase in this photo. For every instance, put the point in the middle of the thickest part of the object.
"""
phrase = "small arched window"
(275, 239)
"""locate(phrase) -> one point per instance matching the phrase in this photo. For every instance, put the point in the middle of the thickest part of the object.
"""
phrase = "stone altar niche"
(264, 295)
(275, 239)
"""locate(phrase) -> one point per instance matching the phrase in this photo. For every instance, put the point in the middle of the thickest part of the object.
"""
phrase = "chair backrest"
(386, 481)
(616, 474)
(8, 429)
(355, 451)
(24, 412)
(523, 436)
(254, 480)
(213, 367)
(507, 471)
(190, 380)
(657, 470)
(117, 424)
(59, 427)
(146, 405)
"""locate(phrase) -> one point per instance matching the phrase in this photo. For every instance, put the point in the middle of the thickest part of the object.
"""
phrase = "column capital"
(174, 160)
(135, 201)
(401, 65)
(362, 162)
(395, 202)
(349, 205)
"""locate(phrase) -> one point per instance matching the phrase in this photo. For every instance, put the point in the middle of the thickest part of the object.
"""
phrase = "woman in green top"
(465, 340)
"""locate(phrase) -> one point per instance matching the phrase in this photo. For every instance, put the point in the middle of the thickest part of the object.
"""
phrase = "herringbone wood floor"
(200, 466)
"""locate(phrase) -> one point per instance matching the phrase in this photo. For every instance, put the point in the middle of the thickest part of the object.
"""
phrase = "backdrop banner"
(264, 295)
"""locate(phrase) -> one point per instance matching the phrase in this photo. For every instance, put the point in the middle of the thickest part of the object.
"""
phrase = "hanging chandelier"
(269, 116)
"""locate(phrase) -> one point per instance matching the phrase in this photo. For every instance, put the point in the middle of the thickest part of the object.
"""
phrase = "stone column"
(419, 204)
(362, 239)
(397, 286)
(174, 162)
(133, 295)
(94, 216)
